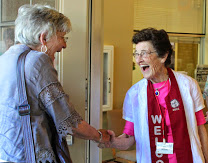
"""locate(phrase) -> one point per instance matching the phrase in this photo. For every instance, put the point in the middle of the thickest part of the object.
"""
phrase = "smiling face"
(152, 67)
(56, 44)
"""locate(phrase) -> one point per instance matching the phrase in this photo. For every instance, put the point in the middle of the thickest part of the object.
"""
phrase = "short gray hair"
(32, 20)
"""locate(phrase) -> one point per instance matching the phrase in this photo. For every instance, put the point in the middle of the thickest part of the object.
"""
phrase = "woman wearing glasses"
(163, 111)
(41, 30)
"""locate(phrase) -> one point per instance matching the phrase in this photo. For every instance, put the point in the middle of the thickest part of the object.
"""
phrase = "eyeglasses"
(143, 54)
(65, 39)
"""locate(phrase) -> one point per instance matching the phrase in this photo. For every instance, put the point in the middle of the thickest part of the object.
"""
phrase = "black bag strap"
(24, 109)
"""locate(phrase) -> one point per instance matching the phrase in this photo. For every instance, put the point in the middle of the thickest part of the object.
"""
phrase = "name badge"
(164, 148)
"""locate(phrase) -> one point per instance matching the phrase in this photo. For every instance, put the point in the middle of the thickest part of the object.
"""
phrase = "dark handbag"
(60, 146)
(24, 109)
(62, 151)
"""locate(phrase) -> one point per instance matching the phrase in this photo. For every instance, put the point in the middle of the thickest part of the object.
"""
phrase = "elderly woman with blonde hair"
(40, 30)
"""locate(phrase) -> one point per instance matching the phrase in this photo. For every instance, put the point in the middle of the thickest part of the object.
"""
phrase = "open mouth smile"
(144, 67)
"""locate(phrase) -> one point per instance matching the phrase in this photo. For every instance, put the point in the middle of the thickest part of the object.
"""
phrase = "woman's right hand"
(108, 144)
(105, 136)
(206, 117)
(122, 142)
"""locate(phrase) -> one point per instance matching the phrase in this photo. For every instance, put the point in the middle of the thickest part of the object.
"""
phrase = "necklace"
(157, 89)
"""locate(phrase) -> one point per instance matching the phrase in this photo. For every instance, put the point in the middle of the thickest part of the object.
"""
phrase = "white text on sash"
(157, 131)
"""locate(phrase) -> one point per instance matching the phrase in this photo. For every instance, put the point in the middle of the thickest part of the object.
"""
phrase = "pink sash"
(174, 103)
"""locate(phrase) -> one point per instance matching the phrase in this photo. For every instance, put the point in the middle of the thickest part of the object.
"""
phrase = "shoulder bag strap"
(24, 109)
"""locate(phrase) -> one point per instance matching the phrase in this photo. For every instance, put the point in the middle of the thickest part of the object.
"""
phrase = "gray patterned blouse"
(50, 107)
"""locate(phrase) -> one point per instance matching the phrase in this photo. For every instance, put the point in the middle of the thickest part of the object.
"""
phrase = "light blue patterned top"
(50, 107)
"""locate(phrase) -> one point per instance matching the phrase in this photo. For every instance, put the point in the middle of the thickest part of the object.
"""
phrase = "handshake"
(107, 138)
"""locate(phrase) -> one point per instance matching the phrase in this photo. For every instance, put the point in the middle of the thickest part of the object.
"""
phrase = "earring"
(45, 47)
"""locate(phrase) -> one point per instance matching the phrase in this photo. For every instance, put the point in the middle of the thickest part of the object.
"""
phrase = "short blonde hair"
(32, 20)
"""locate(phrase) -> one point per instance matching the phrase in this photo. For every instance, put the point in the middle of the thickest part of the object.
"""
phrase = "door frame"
(96, 73)
(90, 32)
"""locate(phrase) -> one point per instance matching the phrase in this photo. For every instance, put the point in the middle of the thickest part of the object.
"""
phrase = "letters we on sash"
(157, 131)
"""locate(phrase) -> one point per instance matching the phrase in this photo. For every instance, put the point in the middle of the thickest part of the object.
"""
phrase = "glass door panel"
(11, 5)
(185, 54)
(7, 38)
(7, 19)
(187, 58)
(48, 2)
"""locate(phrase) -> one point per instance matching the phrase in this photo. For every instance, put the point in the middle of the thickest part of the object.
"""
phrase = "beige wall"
(74, 68)
(136, 74)
(173, 15)
(118, 31)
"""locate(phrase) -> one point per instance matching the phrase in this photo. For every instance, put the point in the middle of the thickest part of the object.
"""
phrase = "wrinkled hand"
(105, 136)
(109, 143)
(206, 117)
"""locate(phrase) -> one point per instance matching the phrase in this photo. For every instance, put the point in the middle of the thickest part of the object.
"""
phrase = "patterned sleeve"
(56, 103)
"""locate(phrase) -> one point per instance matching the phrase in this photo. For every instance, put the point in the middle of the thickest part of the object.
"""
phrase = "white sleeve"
(197, 96)
(127, 108)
